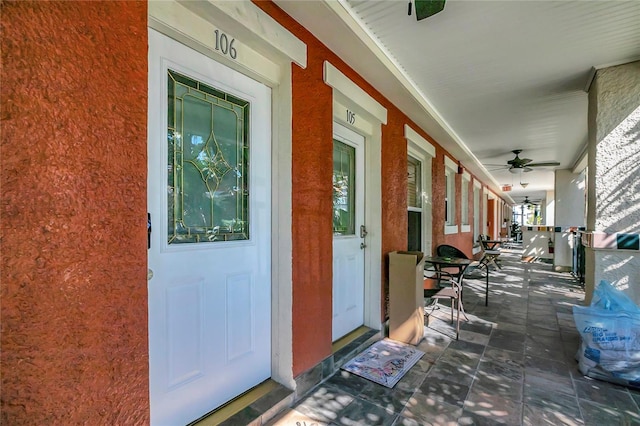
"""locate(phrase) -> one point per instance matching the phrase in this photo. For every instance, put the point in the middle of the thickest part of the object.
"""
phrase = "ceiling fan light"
(515, 170)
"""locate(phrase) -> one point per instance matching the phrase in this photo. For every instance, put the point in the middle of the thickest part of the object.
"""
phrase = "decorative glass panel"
(208, 163)
(344, 188)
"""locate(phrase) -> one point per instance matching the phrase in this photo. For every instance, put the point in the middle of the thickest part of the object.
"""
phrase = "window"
(450, 196)
(420, 154)
(344, 165)
(464, 202)
(414, 203)
(476, 211)
(207, 179)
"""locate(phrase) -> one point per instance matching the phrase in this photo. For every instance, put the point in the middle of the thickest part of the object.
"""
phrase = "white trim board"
(368, 120)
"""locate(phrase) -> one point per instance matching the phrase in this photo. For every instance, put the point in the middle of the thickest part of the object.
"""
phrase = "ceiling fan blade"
(544, 164)
(520, 168)
(519, 161)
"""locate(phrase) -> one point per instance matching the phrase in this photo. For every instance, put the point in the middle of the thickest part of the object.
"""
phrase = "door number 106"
(224, 45)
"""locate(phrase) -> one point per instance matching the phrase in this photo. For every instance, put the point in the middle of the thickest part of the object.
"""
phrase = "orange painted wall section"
(311, 215)
(312, 171)
(74, 289)
(394, 194)
(312, 158)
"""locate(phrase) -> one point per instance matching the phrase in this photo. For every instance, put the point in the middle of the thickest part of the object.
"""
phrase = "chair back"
(446, 250)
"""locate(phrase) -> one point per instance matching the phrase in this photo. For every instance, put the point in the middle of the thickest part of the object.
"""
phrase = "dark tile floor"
(513, 364)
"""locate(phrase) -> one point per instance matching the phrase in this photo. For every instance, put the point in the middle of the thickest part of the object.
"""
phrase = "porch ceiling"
(485, 77)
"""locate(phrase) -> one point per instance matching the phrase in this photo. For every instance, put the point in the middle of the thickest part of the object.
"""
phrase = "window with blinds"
(414, 178)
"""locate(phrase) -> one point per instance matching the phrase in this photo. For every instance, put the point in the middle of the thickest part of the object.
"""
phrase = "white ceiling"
(485, 77)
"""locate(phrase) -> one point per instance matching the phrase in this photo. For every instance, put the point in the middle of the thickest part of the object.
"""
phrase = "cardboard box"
(406, 296)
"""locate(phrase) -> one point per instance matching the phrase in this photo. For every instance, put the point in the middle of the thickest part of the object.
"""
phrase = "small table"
(491, 244)
(441, 262)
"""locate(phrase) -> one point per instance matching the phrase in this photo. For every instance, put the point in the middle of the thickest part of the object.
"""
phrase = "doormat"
(384, 362)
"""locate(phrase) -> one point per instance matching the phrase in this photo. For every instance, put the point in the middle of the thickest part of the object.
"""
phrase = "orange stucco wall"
(312, 170)
(311, 216)
(74, 289)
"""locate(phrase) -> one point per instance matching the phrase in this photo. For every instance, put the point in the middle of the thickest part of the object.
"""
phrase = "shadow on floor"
(513, 364)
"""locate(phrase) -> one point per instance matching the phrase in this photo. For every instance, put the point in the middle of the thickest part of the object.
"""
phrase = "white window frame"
(464, 202)
(419, 148)
(476, 215)
(450, 170)
(418, 161)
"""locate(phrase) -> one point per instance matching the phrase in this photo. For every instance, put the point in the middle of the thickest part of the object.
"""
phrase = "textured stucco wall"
(622, 269)
(311, 198)
(614, 175)
(74, 294)
(461, 240)
(617, 151)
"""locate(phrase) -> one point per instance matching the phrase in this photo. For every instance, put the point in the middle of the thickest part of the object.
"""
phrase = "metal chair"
(489, 256)
(453, 293)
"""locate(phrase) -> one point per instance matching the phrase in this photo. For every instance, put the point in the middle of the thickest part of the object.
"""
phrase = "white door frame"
(355, 109)
(419, 148)
(347, 249)
(195, 24)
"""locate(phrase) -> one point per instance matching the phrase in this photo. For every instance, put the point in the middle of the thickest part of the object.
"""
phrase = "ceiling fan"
(518, 165)
(526, 201)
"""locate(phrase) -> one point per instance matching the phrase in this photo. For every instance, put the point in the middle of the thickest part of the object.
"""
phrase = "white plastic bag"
(610, 331)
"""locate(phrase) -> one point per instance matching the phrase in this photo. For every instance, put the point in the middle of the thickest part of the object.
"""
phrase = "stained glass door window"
(344, 187)
(208, 163)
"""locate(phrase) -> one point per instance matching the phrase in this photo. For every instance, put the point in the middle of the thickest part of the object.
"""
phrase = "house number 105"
(351, 117)
(224, 45)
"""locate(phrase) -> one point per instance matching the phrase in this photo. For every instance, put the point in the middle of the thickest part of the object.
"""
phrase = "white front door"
(209, 199)
(348, 230)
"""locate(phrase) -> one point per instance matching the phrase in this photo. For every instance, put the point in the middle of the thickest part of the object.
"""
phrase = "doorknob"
(362, 246)
(363, 231)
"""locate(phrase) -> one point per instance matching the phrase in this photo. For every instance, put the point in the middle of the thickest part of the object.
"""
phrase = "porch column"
(613, 212)
(569, 208)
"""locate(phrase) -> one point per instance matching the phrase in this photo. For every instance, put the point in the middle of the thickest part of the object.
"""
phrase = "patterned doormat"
(384, 362)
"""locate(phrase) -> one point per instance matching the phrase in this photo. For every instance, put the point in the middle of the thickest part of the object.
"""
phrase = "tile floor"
(513, 364)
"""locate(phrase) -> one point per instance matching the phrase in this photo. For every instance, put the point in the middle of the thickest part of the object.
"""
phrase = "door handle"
(363, 231)
(362, 246)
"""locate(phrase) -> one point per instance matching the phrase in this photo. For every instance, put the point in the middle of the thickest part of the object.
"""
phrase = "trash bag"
(606, 296)
(610, 331)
